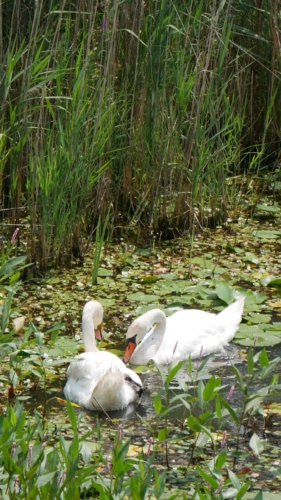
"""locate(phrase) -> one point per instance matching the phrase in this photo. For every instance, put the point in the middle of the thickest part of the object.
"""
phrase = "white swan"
(186, 333)
(96, 379)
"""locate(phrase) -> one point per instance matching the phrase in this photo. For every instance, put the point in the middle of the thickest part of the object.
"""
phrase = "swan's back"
(198, 333)
(100, 380)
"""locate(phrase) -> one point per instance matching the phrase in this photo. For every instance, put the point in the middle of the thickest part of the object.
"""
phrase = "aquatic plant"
(209, 412)
(99, 242)
(156, 108)
(11, 268)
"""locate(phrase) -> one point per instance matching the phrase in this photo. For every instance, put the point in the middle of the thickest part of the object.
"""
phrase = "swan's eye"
(133, 340)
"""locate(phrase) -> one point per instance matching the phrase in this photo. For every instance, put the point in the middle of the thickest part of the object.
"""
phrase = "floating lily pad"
(268, 235)
(251, 257)
(224, 292)
(144, 308)
(248, 335)
(64, 346)
(266, 495)
(105, 272)
(268, 208)
(251, 297)
(258, 318)
(142, 297)
(144, 251)
(271, 281)
(150, 279)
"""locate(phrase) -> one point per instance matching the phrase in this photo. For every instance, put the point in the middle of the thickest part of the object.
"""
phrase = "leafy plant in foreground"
(209, 410)
(10, 269)
(31, 467)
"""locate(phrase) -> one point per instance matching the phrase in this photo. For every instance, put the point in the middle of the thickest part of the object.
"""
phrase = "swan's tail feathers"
(136, 386)
(233, 313)
(229, 320)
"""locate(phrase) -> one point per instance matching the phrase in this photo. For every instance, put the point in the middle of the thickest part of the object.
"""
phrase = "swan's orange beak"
(98, 334)
(129, 351)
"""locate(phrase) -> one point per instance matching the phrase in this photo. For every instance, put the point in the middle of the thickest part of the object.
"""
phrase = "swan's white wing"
(100, 380)
(194, 333)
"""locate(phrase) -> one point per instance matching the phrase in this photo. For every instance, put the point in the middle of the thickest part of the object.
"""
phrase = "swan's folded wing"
(98, 380)
(94, 367)
(195, 333)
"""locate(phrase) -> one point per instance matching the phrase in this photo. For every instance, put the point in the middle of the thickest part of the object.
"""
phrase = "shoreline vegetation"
(164, 114)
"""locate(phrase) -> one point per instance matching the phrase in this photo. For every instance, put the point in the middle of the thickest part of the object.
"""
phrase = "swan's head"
(93, 314)
(140, 328)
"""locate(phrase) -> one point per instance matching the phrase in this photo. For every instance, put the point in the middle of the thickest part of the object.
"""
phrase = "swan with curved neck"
(186, 333)
(99, 380)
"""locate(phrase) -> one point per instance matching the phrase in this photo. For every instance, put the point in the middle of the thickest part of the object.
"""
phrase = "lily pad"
(268, 208)
(105, 272)
(63, 347)
(258, 318)
(251, 257)
(142, 297)
(150, 279)
(251, 297)
(248, 335)
(224, 292)
(267, 235)
(271, 281)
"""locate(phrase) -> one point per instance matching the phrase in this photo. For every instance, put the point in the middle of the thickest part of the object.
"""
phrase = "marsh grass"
(155, 109)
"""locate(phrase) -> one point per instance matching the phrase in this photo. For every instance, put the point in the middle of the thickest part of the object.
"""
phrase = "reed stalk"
(152, 108)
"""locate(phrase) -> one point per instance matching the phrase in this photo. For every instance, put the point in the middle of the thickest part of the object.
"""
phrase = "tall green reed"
(152, 108)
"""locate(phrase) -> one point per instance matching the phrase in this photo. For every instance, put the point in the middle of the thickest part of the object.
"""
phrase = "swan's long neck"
(88, 329)
(151, 341)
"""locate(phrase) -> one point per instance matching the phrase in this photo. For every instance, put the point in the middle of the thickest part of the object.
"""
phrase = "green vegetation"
(209, 435)
(150, 119)
(167, 112)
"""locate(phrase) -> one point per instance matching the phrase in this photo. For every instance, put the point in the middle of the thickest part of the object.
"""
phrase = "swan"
(186, 333)
(99, 380)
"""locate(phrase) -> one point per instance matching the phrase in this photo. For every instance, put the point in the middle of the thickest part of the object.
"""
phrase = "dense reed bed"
(160, 112)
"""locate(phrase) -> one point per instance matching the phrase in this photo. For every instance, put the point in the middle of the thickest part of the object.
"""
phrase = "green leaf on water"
(64, 346)
(142, 297)
(224, 291)
(256, 444)
(271, 281)
(247, 335)
(266, 234)
(251, 297)
(150, 279)
(258, 318)
(104, 272)
(251, 257)
(268, 208)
